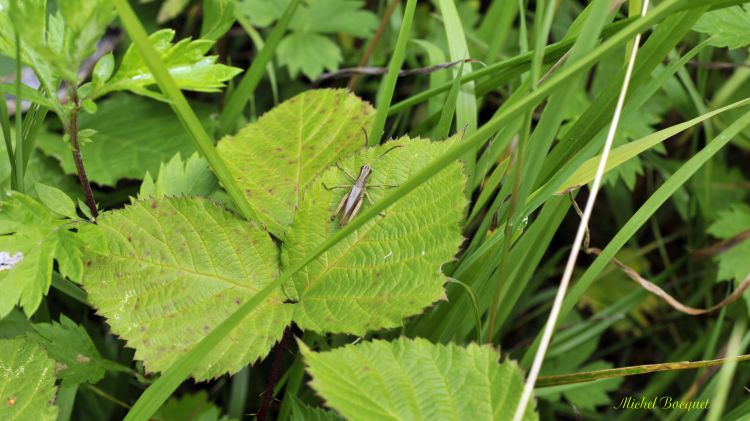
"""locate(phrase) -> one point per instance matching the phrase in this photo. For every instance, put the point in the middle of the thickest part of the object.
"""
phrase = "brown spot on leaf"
(82, 359)
(237, 301)
(11, 401)
(153, 205)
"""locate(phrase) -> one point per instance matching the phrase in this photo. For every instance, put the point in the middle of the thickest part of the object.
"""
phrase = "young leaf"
(180, 178)
(218, 17)
(730, 26)
(186, 61)
(390, 268)
(734, 263)
(27, 382)
(121, 149)
(85, 23)
(275, 158)
(33, 236)
(78, 360)
(56, 200)
(177, 268)
(416, 380)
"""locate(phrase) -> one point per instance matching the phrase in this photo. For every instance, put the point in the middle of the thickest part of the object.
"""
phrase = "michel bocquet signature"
(660, 402)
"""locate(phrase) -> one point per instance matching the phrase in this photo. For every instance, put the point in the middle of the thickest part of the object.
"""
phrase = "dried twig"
(658, 291)
(383, 70)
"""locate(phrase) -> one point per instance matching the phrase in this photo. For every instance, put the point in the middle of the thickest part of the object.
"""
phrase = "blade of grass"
(727, 371)
(241, 95)
(181, 107)
(238, 393)
(588, 376)
(585, 173)
(446, 115)
(577, 243)
(5, 126)
(641, 216)
(388, 85)
(18, 152)
(156, 394)
(466, 102)
(65, 400)
(259, 45)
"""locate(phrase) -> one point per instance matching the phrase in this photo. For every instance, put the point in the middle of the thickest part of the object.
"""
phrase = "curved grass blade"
(181, 107)
(389, 81)
(641, 216)
(245, 89)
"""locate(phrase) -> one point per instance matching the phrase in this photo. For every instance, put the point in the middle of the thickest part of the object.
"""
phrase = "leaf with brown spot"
(275, 158)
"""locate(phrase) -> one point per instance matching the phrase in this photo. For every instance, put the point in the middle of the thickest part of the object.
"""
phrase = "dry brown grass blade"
(657, 290)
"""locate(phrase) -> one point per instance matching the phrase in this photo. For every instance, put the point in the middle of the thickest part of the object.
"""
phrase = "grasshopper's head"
(365, 172)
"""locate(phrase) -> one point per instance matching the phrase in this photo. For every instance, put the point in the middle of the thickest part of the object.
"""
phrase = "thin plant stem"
(18, 153)
(75, 149)
(580, 234)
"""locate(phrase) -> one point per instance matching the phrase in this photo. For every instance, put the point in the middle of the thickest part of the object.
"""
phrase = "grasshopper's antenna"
(367, 143)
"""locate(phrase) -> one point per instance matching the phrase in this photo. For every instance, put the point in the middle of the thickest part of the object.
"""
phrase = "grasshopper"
(351, 203)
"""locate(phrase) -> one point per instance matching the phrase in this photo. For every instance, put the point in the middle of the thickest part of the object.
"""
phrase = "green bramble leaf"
(412, 379)
(390, 268)
(180, 178)
(27, 382)
(78, 360)
(730, 26)
(275, 158)
(734, 263)
(176, 268)
(186, 61)
(31, 237)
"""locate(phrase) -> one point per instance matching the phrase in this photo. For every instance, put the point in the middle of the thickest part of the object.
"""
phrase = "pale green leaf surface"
(275, 158)
(134, 135)
(177, 268)
(309, 53)
(27, 382)
(729, 26)
(192, 177)
(85, 23)
(33, 236)
(185, 60)
(391, 267)
(416, 380)
(56, 200)
(218, 17)
(734, 263)
(78, 360)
